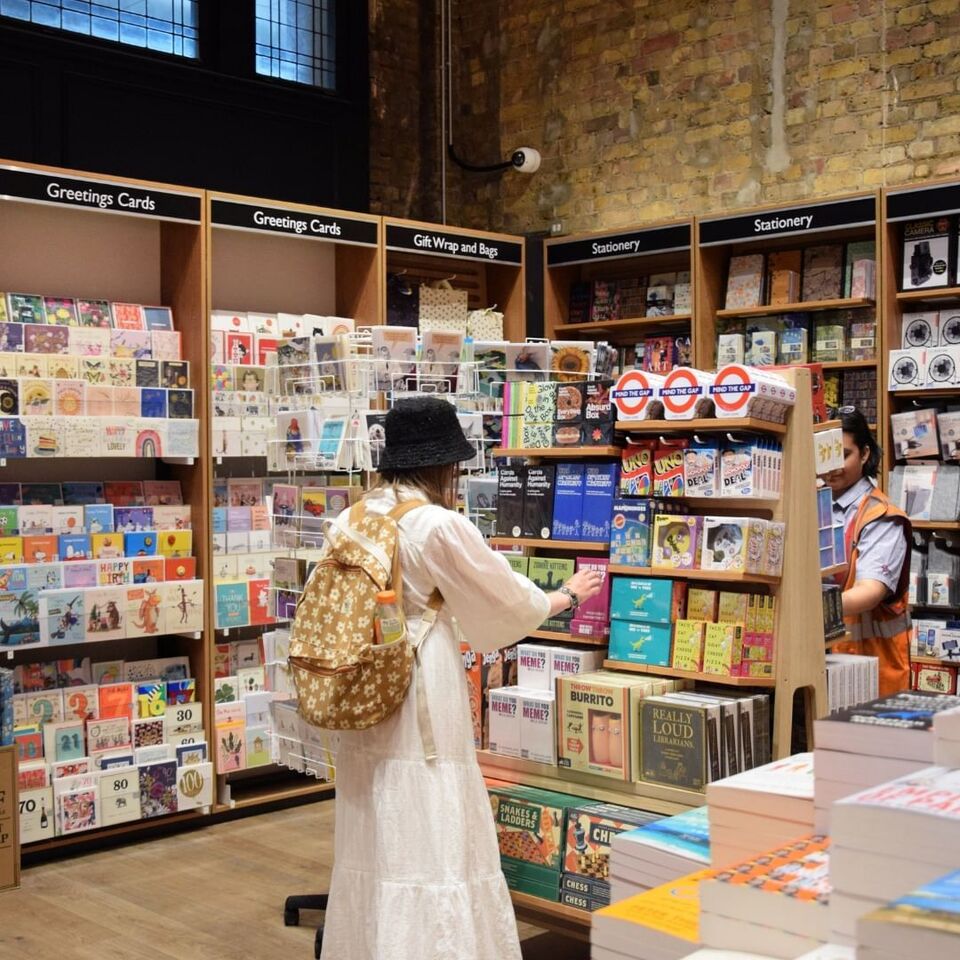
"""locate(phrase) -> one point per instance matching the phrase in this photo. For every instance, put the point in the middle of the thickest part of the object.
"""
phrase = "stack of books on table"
(889, 840)
(946, 738)
(923, 923)
(776, 903)
(873, 743)
(659, 924)
(760, 809)
(659, 852)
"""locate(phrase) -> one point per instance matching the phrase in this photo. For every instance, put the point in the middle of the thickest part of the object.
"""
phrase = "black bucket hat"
(423, 432)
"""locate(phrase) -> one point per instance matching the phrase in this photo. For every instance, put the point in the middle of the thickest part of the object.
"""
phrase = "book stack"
(659, 924)
(946, 738)
(923, 923)
(865, 745)
(776, 902)
(659, 852)
(851, 680)
(760, 809)
(889, 840)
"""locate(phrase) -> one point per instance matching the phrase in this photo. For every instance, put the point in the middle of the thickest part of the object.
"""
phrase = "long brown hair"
(437, 483)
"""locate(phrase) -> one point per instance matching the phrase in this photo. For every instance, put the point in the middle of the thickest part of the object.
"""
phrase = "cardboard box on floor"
(9, 837)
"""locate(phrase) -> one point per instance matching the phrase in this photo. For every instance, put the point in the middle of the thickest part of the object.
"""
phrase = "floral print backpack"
(344, 679)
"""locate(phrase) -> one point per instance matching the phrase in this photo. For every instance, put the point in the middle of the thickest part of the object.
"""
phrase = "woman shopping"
(416, 871)
(878, 536)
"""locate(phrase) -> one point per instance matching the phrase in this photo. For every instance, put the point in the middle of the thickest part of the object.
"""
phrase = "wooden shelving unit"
(489, 266)
(773, 228)
(900, 205)
(615, 255)
(715, 678)
(72, 234)
(731, 425)
(270, 257)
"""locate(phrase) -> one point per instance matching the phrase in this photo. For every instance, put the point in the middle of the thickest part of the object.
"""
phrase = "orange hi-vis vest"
(884, 631)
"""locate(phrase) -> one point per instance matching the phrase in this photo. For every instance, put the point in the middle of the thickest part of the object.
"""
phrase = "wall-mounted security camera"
(526, 160)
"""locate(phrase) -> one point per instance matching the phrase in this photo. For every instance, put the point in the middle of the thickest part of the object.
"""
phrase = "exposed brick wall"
(404, 109)
(648, 109)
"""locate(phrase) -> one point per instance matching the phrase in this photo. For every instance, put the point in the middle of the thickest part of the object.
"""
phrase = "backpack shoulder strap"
(402, 509)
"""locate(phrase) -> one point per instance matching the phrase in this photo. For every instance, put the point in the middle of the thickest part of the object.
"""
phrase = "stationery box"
(646, 599)
(630, 532)
(634, 642)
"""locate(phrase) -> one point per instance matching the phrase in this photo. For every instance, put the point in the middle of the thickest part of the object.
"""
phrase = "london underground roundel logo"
(732, 388)
(681, 390)
(631, 394)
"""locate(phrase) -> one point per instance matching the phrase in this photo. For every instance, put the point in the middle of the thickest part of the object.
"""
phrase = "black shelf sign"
(617, 246)
(937, 201)
(789, 221)
(294, 223)
(462, 246)
(40, 187)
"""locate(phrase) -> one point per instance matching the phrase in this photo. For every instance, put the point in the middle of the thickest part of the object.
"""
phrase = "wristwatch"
(574, 599)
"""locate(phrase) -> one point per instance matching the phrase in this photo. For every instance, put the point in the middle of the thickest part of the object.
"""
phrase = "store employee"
(878, 536)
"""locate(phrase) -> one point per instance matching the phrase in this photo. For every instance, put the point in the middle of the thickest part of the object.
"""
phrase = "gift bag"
(485, 324)
(443, 308)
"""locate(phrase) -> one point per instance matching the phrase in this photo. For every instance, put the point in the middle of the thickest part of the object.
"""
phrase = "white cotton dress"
(416, 872)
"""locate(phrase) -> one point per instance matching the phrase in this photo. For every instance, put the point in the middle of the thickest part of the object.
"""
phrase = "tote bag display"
(485, 324)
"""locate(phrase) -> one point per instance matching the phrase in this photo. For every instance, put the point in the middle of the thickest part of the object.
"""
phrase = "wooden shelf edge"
(935, 524)
(573, 452)
(263, 796)
(841, 303)
(674, 426)
(122, 829)
(561, 637)
(934, 293)
(725, 576)
(845, 364)
(717, 678)
(624, 323)
(827, 425)
(922, 392)
(934, 661)
(537, 906)
(640, 796)
(833, 571)
(587, 546)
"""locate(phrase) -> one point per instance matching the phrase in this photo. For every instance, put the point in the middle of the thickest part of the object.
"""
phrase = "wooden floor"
(210, 894)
